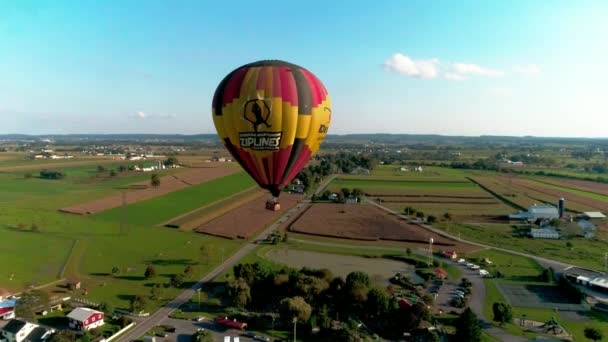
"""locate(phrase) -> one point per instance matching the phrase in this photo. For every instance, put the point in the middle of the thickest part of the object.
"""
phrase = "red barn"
(85, 319)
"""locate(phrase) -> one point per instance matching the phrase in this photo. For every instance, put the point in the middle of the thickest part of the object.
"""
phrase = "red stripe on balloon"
(233, 86)
(280, 160)
(300, 162)
(315, 91)
(261, 82)
(289, 91)
(267, 171)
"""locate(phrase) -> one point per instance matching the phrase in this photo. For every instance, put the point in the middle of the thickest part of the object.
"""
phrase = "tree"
(170, 161)
(239, 292)
(377, 302)
(150, 272)
(63, 336)
(593, 334)
(177, 280)
(115, 270)
(188, 271)
(295, 307)
(27, 175)
(420, 214)
(156, 292)
(112, 173)
(138, 303)
(122, 168)
(357, 277)
(467, 327)
(555, 222)
(447, 217)
(408, 251)
(409, 210)
(431, 219)
(106, 307)
(34, 228)
(30, 302)
(345, 192)
(357, 192)
(503, 313)
(101, 168)
(547, 275)
(155, 180)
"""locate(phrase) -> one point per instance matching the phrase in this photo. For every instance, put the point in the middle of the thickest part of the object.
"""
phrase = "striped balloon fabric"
(272, 116)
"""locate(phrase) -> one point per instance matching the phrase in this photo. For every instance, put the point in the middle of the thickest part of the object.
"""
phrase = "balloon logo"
(272, 116)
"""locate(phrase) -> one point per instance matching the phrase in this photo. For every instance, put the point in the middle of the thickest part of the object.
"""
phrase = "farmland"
(434, 191)
(89, 247)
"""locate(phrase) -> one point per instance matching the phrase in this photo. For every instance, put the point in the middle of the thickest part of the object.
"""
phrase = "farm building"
(449, 254)
(85, 319)
(360, 171)
(7, 308)
(230, 323)
(73, 283)
(21, 331)
(536, 212)
(592, 215)
(544, 233)
(440, 273)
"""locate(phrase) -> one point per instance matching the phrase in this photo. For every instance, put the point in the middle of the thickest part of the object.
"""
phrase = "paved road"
(157, 317)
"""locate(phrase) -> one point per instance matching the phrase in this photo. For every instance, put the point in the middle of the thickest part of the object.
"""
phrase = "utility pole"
(605, 262)
(295, 322)
(199, 298)
(430, 252)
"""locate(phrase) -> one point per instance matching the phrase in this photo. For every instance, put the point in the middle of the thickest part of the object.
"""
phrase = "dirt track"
(361, 222)
(246, 220)
(167, 184)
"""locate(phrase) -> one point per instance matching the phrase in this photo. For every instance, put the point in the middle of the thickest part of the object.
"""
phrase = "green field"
(369, 185)
(158, 210)
(514, 267)
(89, 247)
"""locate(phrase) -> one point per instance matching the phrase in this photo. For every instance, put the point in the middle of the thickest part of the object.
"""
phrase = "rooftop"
(594, 214)
(14, 326)
(81, 314)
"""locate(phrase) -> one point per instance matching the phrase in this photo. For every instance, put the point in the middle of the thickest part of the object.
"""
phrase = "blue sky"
(444, 67)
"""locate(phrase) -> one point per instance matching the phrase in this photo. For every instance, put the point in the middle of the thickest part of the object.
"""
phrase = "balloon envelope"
(272, 116)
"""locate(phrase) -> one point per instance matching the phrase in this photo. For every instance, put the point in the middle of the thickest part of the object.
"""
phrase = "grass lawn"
(164, 208)
(513, 267)
(572, 190)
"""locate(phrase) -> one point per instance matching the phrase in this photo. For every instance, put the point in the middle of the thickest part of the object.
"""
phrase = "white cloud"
(141, 115)
(465, 69)
(530, 69)
(404, 65)
(434, 68)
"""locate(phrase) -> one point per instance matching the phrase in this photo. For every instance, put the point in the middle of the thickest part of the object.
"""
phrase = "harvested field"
(246, 220)
(361, 222)
(593, 187)
(142, 191)
(197, 217)
(576, 202)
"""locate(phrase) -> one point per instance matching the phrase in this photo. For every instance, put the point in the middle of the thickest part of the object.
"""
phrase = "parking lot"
(184, 330)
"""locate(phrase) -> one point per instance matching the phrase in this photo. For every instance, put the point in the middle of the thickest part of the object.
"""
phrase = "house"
(440, 273)
(17, 330)
(449, 254)
(544, 233)
(85, 319)
(535, 212)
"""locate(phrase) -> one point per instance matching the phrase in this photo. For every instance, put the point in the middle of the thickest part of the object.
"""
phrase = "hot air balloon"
(272, 116)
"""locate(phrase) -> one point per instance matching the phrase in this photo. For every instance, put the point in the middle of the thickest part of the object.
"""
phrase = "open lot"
(245, 220)
(339, 265)
(537, 296)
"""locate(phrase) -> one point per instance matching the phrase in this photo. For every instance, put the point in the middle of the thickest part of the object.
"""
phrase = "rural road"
(157, 317)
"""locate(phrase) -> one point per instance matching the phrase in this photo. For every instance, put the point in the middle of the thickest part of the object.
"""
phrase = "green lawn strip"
(164, 208)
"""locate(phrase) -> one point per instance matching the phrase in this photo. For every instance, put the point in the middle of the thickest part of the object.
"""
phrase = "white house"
(85, 319)
(21, 331)
(544, 233)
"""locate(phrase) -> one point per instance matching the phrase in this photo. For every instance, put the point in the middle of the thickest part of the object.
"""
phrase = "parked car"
(200, 318)
(469, 264)
(461, 260)
(249, 334)
(261, 338)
